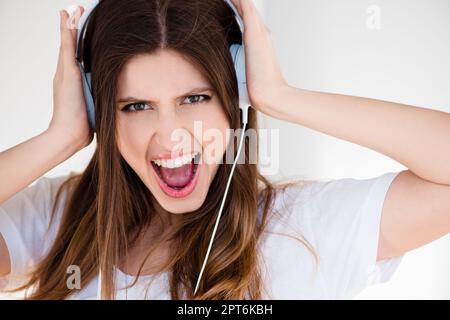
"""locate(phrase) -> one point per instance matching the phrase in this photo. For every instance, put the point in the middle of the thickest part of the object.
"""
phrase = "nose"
(169, 133)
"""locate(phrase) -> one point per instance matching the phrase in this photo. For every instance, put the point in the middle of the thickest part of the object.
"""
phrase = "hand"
(265, 81)
(69, 108)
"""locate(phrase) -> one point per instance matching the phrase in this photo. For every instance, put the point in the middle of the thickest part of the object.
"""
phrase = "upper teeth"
(175, 162)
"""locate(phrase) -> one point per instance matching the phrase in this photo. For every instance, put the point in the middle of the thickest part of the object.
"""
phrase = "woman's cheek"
(133, 137)
(210, 130)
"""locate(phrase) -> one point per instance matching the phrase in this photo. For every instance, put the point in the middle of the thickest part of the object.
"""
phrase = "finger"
(74, 20)
(67, 45)
(66, 35)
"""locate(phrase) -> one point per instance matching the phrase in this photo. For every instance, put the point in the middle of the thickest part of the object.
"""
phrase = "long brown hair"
(108, 206)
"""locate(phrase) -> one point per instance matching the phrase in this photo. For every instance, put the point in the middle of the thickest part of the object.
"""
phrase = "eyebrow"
(190, 92)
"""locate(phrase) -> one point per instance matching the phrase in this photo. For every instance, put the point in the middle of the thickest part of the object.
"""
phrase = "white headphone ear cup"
(238, 56)
(89, 99)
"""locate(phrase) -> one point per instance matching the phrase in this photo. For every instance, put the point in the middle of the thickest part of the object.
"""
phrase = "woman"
(144, 218)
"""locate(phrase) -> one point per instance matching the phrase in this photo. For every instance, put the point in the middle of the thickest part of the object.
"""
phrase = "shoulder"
(29, 222)
(38, 195)
(37, 202)
(339, 219)
(320, 199)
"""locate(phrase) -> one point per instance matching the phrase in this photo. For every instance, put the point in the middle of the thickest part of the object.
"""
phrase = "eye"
(138, 106)
(198, 98)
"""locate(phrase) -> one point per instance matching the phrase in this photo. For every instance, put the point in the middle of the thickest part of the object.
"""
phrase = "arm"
(24, 163)
(416, 210)
(67, 133)
(417, 207)
(416, 137)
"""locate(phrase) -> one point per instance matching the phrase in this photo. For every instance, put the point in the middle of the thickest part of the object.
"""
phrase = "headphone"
(238, 55)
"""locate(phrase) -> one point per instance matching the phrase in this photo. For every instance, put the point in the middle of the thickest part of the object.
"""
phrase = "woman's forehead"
(162, 71)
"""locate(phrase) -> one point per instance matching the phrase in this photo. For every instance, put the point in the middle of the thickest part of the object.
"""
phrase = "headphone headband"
(90, 7)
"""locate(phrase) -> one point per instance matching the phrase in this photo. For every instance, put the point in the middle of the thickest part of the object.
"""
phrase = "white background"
(322, 45)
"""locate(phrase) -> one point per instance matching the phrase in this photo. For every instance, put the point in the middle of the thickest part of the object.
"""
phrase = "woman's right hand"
(69, 118)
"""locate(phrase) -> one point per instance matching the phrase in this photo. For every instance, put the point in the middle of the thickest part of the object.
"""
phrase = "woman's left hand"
(264, 78)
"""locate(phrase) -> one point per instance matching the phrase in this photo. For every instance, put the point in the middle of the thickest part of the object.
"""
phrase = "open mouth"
(177, 177)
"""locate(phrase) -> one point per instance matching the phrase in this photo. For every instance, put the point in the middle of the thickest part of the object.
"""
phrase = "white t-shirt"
(340, 219)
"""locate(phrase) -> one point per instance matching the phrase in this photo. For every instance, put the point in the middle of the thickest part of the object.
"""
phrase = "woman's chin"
(180, 206)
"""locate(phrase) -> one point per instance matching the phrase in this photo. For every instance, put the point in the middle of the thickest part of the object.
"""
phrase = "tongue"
(177, 177)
